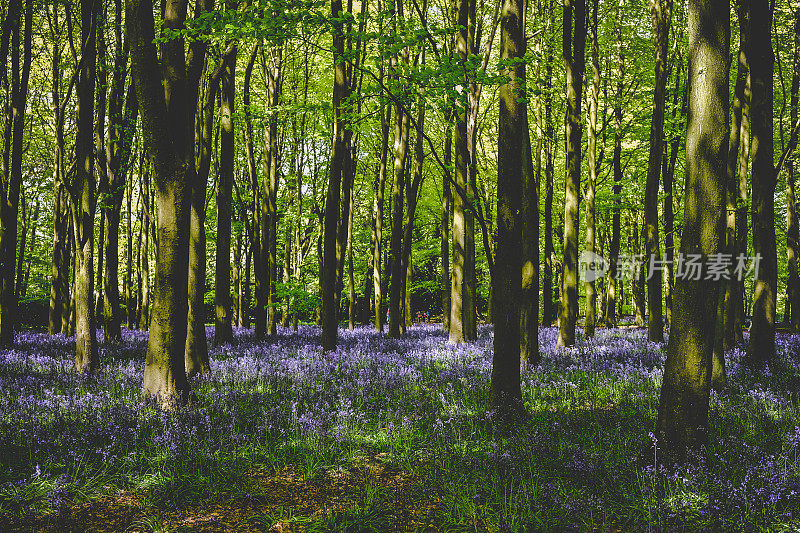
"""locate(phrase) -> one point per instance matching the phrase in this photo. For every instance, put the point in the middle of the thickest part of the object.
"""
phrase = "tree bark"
(11, 182)
(444, 227)
(165, 124)
(123, 112)
(223, 320)
(661, 14)
(202, 87)
(574, 41)
(616, 226)
(591, 239)
(761, 348)
(377, 216)
(462, 296)
(683, 407)
(339, 153)
(505, 396)
(792, 223)
(548, 309)
(84, 200)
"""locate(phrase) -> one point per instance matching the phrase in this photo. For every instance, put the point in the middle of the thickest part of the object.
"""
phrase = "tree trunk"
(59, 288)
(253, 254)
(513, 180)
(22, 238)
(11, 182)
(444, 227)
(668, 179)
(761, 348)
(29, 258)
(398, 266)
(591, 244)
(165, 120)
(736, 145)
(200, 123)
(223, 320)
(613, 251)
(638, 286)
(462, 297)
(269, 218)
(377, 216)
(528, 223)
(548, 309)
(339, 153)
(574, 41)
(122, 124)
(84, 199)
(661, 14)
(792, 223)
(683, 408)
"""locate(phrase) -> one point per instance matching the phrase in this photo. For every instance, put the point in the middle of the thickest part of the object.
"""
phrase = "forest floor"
(388, 435)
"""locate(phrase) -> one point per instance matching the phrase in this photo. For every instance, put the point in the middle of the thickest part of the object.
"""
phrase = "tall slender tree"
(84, 199)
(223, 316)
(661, 14)
(761, 348)
(591, 182)
(505, 394)
(683, 408)
(574, 44)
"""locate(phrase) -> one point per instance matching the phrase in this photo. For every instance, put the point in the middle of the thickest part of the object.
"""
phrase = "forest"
(399, 265)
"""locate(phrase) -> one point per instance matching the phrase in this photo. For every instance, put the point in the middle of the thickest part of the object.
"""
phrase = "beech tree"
(165, 113)
(683, 406)
(574, 43)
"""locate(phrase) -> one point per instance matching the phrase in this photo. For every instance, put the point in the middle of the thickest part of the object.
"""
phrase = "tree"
(332, 255)
(683, 406)
(761, 348)
(616, 225)
(202, 86)
(13, 129)
(591, 238)
(165, 126)
(574, 43)
(223, 320)
(122, 111)
(792, 222)
(462, 296)
(661, 13)
(505, 395)
(83, 193)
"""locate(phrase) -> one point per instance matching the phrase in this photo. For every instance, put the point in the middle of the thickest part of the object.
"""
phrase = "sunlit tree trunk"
(339, 153)
(398, 266)
(83, 195)
(683, 408)
(462, 297)
(377, 217)
(574, 42)
(223, 319)
(591, 239)
(200, 107)
(614, 245)
(165, 123)
(444, 228)
(396, 296)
